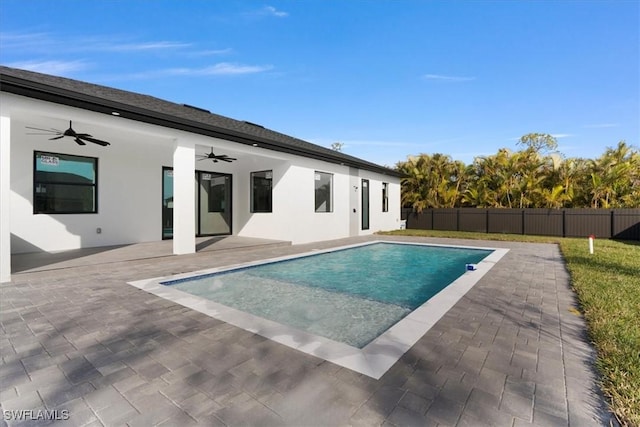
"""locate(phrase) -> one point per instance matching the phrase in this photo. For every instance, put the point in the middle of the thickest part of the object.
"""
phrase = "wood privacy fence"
(603, 223)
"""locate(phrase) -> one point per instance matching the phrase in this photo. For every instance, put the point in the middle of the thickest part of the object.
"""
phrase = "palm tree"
(493, 177)
(614, 176)
(432, 181)
(415, 184)
(523, 179)
(554, 197)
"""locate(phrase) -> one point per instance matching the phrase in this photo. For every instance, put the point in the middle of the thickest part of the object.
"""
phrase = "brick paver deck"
(512, 352)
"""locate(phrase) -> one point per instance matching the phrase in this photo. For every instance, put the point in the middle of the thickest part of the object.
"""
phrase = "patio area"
(42, 261)
(76, 337)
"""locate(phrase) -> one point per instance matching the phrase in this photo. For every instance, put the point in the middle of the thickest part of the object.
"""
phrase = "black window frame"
(38, 182)
(220, 189)
(316, 192)
(252, 202)
(385, 197)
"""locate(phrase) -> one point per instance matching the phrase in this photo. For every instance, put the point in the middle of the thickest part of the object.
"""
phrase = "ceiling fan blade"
(79, 138)
(44, 130)
(226, 160)
(94, 140)
(204, 158)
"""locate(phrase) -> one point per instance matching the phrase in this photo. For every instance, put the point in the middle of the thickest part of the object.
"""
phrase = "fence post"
(613, 219)
(486, 220)
(564, 229)
(523, 214)
(458, 219)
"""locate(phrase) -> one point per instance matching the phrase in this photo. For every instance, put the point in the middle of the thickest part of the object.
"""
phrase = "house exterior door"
(213, 203)
(365, 204)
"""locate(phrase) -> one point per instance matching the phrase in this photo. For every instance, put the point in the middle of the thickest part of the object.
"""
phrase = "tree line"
(536, 176)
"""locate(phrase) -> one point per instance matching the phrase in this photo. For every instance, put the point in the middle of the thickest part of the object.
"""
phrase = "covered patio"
(44, 261)
(85, 166)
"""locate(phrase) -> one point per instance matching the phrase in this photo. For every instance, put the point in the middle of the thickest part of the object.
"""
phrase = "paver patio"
(512, 352)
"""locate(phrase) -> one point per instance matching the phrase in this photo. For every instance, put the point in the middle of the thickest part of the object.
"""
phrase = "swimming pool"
(383, 305)
(350, 295)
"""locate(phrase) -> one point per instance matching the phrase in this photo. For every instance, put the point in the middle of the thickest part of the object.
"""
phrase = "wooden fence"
(603, 223)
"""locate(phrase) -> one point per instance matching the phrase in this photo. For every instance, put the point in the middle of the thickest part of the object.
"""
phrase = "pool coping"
(375, 358)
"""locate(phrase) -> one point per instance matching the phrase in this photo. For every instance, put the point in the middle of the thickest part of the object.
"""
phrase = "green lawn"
(608, 287)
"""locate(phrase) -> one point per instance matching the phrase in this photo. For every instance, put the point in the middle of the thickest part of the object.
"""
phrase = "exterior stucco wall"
(130, 184)
(294, 217)
(378, 220)
(129, 196)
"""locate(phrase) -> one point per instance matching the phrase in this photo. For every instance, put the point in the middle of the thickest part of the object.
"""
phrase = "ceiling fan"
(79, 138)
(215, 157)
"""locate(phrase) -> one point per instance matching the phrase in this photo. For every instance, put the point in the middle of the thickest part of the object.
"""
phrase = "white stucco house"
(62, 188)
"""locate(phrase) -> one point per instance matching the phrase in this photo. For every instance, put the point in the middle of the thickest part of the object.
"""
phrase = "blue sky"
(386, 78)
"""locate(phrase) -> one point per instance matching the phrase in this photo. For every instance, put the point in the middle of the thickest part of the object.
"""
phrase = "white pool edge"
(376, 357)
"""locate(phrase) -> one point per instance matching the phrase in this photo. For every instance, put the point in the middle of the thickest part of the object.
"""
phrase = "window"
(214, 189)
(385, 197)
(324, 190)
(64, 184)
(261, 189)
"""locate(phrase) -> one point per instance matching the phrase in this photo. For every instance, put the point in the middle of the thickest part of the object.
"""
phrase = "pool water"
(351, 295)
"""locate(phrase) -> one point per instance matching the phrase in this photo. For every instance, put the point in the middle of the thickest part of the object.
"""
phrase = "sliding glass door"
(167, 203)
(213, 203)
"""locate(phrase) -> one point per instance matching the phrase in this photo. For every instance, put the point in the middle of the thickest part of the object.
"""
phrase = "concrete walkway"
(512, 352)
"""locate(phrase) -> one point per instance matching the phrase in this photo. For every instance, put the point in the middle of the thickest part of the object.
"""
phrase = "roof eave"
(43, 92)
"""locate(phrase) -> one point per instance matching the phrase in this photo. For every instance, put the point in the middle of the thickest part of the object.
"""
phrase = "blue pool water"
(351, 295)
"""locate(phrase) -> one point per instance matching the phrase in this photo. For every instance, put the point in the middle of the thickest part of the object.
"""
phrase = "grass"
(607, 284)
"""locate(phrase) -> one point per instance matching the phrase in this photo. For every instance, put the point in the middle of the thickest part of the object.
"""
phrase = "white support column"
(5, 197)
(184, 199)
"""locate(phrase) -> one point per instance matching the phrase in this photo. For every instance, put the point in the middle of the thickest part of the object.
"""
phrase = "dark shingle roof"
(157, 111)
